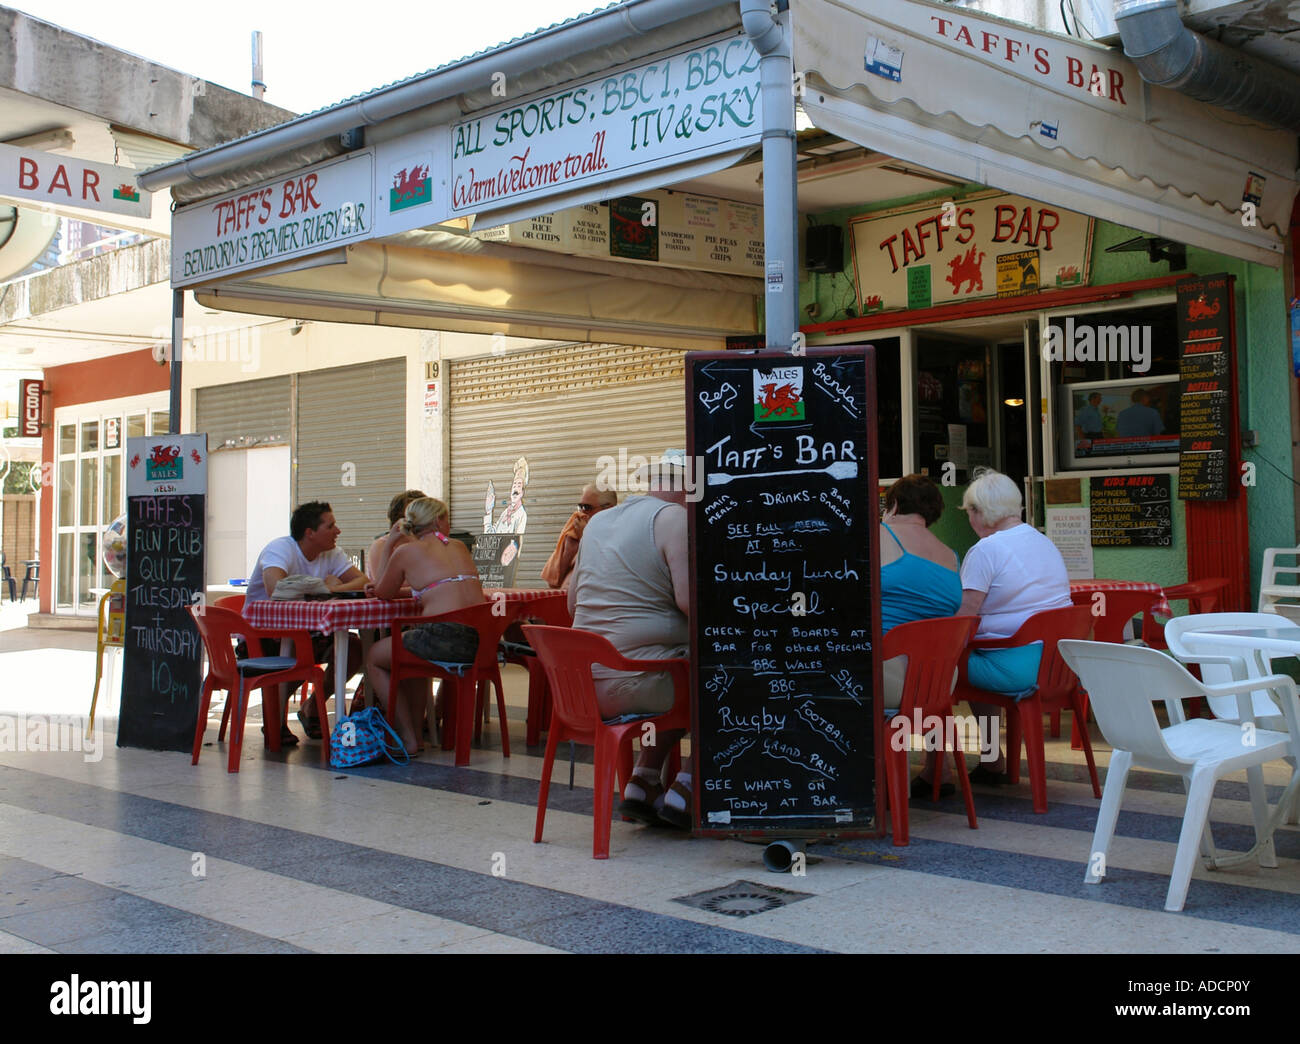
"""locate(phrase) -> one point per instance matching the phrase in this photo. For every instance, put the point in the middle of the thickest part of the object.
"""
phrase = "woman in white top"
(1012, 573)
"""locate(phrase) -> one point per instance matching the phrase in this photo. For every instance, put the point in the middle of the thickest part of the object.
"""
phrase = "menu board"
(784, 594)
(1131, 511)
(165, 537)
(1207, 464)
(496, 557)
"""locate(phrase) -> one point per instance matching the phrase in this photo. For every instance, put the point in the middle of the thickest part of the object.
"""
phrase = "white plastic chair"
(1271, 591)
(1122, 682)
(1225, 664)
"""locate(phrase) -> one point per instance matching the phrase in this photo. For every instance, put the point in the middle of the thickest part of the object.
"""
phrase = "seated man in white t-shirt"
(309, 550)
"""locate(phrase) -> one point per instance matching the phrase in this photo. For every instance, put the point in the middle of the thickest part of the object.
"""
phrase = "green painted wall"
(1264, 385)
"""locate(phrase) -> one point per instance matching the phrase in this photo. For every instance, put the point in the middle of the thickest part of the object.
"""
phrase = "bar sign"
(29, 402)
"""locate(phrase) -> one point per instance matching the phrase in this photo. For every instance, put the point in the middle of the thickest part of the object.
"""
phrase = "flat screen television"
(1132, 423)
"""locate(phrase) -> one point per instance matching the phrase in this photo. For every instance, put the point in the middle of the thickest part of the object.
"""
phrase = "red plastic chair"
(553, 611)
(1056, 686)
(461, 680)
(218, 628)
(1202, 597)
(933, 649)
(567, 656)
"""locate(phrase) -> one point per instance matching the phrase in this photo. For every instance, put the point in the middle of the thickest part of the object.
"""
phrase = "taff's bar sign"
(29, 400)
(686, 105)
(313, 209)
(43, 177)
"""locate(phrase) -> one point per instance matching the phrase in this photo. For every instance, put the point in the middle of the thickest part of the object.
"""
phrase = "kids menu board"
(784, 606)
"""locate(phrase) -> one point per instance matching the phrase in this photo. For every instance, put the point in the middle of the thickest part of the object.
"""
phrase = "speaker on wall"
(824, 251)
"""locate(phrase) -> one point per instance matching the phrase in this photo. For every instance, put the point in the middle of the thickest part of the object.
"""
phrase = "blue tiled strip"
(64, 913)
(541, 915)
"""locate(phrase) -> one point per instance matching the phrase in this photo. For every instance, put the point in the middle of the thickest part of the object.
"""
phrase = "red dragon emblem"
(409, 183)
(966, 269)
(1198, 309)
(777, 400)
(135, 461)
(164, 456)
(194, 456)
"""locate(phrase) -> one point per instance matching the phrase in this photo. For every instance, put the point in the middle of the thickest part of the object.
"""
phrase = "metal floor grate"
(742, 899)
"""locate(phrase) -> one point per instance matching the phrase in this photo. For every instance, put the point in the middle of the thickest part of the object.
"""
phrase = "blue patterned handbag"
(364, 737)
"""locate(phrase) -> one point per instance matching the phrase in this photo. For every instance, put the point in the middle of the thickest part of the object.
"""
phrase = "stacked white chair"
(1122, 682)
(1276, 596)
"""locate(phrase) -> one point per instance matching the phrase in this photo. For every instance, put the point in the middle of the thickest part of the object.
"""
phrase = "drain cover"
(742, 899)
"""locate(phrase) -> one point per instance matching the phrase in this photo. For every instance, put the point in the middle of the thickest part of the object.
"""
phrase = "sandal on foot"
(310, 725)
(678, 817)
(287, 738)
(985, 775)
(643, 810)
(924, 789)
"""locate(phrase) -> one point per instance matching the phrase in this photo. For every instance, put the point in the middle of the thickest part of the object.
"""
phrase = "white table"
(1257, 645)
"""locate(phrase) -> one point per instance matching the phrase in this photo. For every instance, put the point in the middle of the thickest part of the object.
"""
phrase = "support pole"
(771, 38)
(178, 348)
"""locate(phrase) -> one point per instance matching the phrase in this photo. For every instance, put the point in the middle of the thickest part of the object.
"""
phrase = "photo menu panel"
(785, 609)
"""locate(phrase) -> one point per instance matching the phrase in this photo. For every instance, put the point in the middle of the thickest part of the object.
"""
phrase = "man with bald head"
(559, 567)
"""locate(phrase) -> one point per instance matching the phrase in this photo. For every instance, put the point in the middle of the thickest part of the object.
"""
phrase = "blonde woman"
(441, 573)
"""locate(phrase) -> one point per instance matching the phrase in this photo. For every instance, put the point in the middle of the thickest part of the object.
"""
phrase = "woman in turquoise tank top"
(918, 574)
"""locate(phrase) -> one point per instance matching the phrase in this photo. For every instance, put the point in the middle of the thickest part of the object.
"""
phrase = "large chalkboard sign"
(1131, 511)
(166, 504)
(783, 600)
(1209, 446)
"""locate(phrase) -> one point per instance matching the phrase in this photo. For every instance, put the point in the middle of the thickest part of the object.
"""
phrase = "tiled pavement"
(133, 851)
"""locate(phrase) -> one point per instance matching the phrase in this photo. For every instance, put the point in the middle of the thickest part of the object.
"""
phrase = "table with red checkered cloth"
(1159, 605)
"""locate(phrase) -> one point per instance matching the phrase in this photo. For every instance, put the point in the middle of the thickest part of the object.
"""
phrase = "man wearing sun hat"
(631, 584)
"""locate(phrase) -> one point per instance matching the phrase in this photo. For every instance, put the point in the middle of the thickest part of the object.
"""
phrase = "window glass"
(88, 516)
(889, 408)
(113, 505)
(87, 567)
(67, 492)
(67, 438)
(161, 420)
(135, 426)
(67, 571)
(89, 436)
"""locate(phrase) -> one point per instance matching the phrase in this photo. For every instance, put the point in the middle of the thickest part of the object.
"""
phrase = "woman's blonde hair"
(423, 514)
(993, 495)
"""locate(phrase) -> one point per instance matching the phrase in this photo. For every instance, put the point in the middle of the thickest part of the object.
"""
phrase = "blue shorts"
(1010, 671)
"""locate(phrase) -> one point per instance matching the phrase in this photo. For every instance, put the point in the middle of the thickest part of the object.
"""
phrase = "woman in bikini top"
(441, 573)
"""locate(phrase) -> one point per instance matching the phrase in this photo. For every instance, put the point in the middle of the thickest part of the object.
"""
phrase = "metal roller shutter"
(246, 413)
(563, 409)
(353, 415)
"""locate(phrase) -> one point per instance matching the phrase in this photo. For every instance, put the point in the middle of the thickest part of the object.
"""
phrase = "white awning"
(1045, 116)
(445, 281)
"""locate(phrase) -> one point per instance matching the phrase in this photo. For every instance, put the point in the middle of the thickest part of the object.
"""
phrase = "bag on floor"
(364, 737)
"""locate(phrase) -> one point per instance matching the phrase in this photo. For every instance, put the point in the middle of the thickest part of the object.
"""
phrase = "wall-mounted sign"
(29, 405)
(43, 177)
(975, 247)
(715, 235)
(1131, 511)
(692, 103)
(302, 213)
(1208, 451)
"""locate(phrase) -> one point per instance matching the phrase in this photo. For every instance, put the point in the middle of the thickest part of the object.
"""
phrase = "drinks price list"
(1206, 370)
(785, 607)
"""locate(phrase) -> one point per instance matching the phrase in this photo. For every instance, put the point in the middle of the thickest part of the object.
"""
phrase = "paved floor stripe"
(66, 914)
(530, 912)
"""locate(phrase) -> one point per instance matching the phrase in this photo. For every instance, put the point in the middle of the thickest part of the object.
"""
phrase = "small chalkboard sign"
(784, 602)
(496, 557)
(163, 653)
(1131, 511)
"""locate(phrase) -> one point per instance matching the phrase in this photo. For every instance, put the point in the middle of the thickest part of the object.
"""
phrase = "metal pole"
(259, 88)
(178, 335)
(771, 38)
